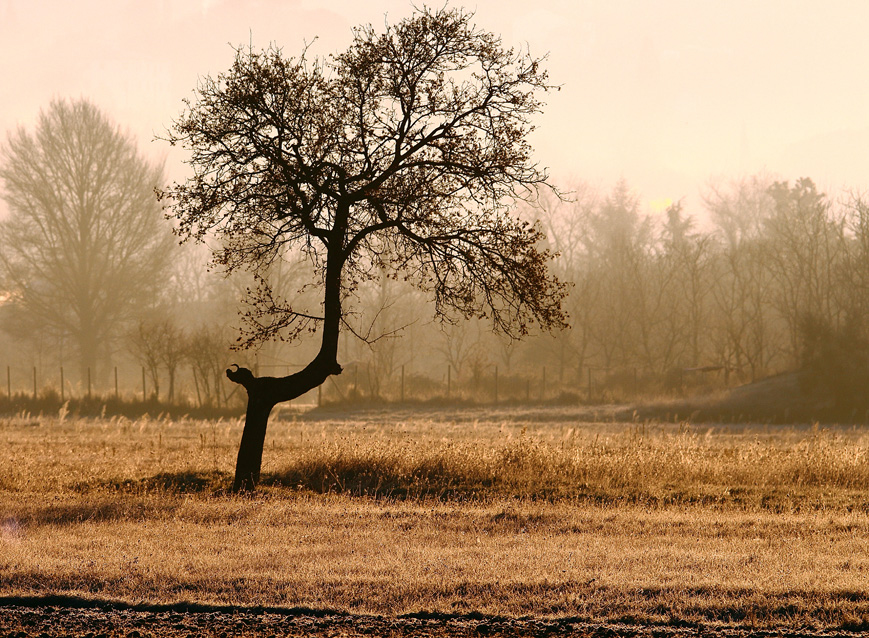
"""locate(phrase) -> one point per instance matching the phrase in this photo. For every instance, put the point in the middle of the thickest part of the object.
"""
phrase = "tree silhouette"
(403, 154)
(85, 242)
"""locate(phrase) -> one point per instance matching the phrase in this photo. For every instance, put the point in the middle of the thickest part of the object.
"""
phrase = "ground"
(55, 617)
(543, 521)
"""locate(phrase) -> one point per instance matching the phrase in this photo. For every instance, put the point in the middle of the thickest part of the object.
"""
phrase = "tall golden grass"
(679, 465)
(446, 455)
(502, 513)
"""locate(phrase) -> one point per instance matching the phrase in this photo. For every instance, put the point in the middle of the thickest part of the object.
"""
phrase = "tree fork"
(263, 393)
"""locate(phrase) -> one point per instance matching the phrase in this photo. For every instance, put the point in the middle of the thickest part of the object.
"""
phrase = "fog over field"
(713, 227)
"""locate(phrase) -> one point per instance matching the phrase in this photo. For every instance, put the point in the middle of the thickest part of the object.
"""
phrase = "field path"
(52, 616)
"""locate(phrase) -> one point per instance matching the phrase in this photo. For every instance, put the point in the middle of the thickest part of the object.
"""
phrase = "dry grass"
(502, 513)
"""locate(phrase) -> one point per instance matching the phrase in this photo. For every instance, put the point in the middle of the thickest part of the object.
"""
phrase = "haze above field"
(665, 94)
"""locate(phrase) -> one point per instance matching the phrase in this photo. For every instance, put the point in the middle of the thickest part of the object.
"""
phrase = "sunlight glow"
(660, 205)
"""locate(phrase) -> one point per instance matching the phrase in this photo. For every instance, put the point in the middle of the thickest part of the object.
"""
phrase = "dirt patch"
(59, 616)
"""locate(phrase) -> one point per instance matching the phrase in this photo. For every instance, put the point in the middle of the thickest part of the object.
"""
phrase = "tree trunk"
(263, 393)
(250, 451)
(87, 344)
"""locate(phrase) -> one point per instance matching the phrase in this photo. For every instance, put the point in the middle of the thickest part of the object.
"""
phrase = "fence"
(360, 383)
(127, 383)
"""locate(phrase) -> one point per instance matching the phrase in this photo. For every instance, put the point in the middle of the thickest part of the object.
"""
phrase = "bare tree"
(404, 153)
(144, 344)
(567, 223)
(804, 252)
(85, 242)
(855, 266)
(158, 344)
(206, 350)
(620, 239)
(743, 329)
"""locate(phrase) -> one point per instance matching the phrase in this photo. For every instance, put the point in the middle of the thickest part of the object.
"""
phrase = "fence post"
(61, 384)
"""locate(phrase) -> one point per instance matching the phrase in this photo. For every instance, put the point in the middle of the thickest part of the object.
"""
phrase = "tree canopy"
(403, 153)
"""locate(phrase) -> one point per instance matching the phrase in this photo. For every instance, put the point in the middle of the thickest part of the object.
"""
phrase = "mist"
(663, 113)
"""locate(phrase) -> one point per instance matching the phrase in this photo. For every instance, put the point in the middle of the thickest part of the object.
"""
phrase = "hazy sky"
(665, 93)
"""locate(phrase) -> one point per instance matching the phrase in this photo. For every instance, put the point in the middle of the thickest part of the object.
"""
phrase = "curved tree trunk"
(263, 393)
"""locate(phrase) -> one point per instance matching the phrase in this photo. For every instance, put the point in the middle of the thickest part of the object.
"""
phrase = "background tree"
(805, 250)
(158, 344)
(745, 334)
(567, 223)
(620, 242)
(404, 154)
(85, 242)
(206, 351)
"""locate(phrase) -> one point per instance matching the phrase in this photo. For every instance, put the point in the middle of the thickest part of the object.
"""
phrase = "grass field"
(540, 512)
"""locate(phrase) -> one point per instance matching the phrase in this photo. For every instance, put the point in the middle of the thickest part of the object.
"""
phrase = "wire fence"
(359, 383)
(118, 383)
(362, 382)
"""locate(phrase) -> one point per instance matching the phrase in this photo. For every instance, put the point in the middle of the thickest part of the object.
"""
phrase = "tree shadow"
(188, 482)
(60, 514)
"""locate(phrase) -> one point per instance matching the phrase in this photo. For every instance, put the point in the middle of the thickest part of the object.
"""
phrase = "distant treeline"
(776, 278)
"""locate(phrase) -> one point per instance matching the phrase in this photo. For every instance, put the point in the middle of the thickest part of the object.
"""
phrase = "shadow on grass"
(377, 480)
(380, 478)
(188, 482)
(98, 511)
(660, 611)
(185, 607)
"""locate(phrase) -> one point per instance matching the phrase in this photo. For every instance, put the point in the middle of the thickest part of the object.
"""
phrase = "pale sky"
(664, 93)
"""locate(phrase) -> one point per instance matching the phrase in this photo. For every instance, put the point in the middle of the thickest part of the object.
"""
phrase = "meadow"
(540, 512)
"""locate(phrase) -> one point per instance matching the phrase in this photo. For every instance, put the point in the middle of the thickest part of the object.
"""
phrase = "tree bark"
(263, 393)
(250, 451)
